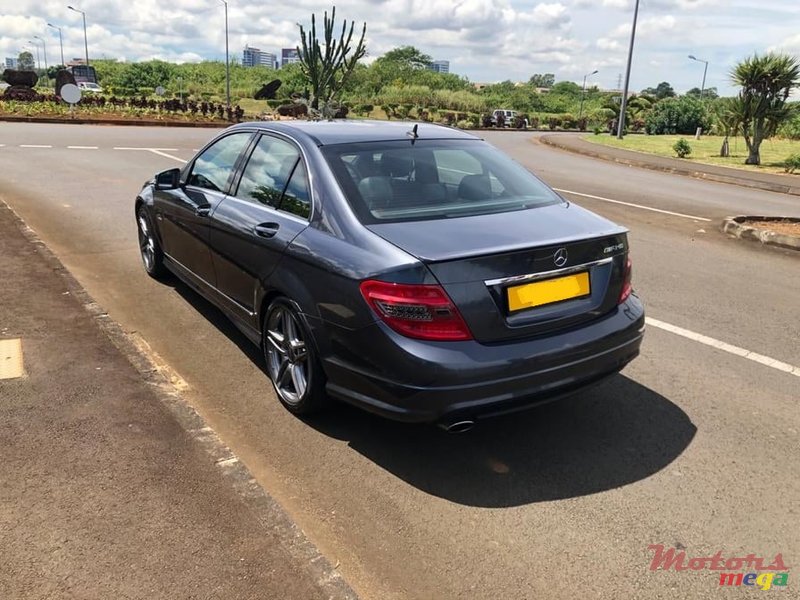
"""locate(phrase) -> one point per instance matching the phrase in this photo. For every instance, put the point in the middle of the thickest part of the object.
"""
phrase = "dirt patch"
(785, 227)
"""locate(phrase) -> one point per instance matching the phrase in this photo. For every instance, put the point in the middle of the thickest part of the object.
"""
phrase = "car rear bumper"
(412, 380)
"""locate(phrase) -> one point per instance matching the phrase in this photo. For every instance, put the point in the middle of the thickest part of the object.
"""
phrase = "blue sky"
(485, 40)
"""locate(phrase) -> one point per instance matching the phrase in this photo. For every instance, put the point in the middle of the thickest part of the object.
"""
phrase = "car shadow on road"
(611, 435)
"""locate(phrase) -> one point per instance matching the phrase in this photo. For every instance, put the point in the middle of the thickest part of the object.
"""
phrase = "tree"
(25, 61)
(52, 70)
(540, 80)
(761, 105)
(661, 91)
(706, 93)
(568, 88)
(726, 119)
(408, 56)
(676, 115)
(149, 74)
(328, 70)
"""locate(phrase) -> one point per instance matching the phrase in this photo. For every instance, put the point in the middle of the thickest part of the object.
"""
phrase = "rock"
(268, 90)
(292, 110)
(63, 77)
(20, 78)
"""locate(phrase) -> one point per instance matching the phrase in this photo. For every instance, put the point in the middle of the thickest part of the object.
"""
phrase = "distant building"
(11, 63)
(289, 56)
(440, 66)
(254, 57)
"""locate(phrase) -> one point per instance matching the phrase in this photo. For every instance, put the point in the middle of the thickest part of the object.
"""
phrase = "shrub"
(582, 123)
(597, 130)
(553, 122)
(463, 124)
(567, 121)
(533, 122)
(682, 148)
(791, 128)
(677, 115)
(792, 163)
(520, 121)
(486, 120)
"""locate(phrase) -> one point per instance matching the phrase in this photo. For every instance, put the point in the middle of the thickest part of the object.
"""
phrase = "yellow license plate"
(548, 291)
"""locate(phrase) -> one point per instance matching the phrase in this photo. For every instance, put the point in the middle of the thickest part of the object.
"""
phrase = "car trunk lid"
(519, 274)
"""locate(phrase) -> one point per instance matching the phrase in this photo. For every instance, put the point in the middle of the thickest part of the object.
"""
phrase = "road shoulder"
(112, 485)
(763, 181)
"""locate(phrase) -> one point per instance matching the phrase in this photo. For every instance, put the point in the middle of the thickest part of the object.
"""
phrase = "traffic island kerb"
(741, 228)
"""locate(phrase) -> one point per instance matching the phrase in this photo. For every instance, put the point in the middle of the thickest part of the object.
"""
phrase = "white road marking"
(658, 210)
(725, 347)
(130, 148)
(11, 365)
(82, 147)
(34, 146)
(154, 151)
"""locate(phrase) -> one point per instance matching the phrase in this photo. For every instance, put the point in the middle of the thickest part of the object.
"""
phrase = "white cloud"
(486, 40)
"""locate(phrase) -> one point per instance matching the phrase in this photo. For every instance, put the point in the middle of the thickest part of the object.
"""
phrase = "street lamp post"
(60, 41)
(624, 104)
(85, 39)
(38, 56)
(705, 70)
(227, 61)
(583, 91)
(44, 48)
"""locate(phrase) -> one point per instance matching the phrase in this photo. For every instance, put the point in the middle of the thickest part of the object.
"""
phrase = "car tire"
(149, 248)
(291, 358)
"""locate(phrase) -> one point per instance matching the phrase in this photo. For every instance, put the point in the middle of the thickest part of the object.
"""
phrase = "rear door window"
(275, 175)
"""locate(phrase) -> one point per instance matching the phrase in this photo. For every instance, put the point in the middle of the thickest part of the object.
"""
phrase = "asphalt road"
(692, 446)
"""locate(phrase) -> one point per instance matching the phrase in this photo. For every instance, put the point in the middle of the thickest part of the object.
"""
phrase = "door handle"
(203, 211)
(266, 230)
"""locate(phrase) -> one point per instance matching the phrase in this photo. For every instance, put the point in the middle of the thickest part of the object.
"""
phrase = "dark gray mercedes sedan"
(410, 269)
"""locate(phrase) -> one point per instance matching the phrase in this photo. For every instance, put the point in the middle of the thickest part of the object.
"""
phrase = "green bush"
(682, 148)
(792, 163)
(791, 128)
(677, 115)
(597, 130)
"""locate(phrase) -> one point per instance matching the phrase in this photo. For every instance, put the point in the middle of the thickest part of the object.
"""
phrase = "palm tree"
(727, 118)
(766, 83)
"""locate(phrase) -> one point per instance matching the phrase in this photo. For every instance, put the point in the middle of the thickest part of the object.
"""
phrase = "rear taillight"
(626, 281)
(424, 312)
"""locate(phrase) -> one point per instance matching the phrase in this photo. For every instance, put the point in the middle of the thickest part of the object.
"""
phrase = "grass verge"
(706, 150)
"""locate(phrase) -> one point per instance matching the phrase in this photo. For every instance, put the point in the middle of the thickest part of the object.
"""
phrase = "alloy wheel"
(287, 355)
(147, 244)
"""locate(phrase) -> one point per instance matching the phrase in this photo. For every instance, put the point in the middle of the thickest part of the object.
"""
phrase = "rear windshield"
(432, 179)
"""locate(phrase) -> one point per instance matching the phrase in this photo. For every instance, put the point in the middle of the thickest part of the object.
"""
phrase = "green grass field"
(706, 150)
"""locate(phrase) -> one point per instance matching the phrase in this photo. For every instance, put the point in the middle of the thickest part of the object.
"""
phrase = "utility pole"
(624, 104)
(227, 60)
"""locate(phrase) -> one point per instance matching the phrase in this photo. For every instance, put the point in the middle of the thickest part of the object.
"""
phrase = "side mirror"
(168, 180)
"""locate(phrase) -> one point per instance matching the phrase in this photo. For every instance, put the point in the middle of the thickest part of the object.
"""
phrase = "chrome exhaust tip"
(461, 426)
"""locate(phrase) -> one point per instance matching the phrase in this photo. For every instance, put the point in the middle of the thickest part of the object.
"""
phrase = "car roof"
(348, 131)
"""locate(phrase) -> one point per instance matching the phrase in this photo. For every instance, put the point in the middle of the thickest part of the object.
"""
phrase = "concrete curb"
(733, 178)
(735, 226)
(137, 123)
(168, 387)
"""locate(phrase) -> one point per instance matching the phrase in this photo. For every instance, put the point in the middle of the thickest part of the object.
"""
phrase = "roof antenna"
(413, 133)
